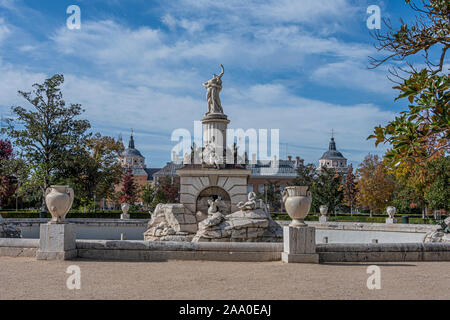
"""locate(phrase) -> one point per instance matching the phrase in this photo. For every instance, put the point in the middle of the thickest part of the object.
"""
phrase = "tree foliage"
(305, 175)
(327, 190)
(49, 131)
(422, 132)
(93, 169)
(129, 188)
(350, 190)
(8, 182)
(375, 185)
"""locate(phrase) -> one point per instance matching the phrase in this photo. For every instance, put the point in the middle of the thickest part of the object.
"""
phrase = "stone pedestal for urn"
(299, 239)
(391, 213)
(323, 213)
(299, 245)
(125, 208)
(57, 240)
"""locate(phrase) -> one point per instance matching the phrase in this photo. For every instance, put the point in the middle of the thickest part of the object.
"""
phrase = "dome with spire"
(332, 153)
(333, 158)
(131, 151)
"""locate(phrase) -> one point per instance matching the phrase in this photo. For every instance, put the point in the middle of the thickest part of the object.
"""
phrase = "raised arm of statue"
(222, 73)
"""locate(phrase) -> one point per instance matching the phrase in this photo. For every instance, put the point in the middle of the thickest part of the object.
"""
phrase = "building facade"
(333, 159)
(131, 158)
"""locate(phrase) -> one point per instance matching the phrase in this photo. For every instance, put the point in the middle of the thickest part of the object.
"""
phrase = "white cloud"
(150, 78)
(353, 74)
(4, 30)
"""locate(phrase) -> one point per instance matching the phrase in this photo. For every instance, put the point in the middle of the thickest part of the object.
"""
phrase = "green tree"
(8, 182)
(271, 195)
(438, 194)
(305, 175)
(166, 191)
(422, 132)
(93, 170)
(327, 190)
(148, 194)
(47, 132)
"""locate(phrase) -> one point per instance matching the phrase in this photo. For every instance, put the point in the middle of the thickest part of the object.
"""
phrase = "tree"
(305, 175)
(438, 193)
(8, 183)
(148, 194)
(167, 191)
(48, 131)
(422, 132)
(375, 185)
(350, 190)
(272, 195)
(327, 190)
(129, 189)
(93, 169)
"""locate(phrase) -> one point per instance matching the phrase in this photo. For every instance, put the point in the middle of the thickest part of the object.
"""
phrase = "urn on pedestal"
(391, 213)
(297, 201)
(323, 213)
(125, 208)
(59, 200)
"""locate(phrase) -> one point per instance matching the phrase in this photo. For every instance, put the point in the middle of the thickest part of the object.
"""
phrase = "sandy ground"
(26, 278)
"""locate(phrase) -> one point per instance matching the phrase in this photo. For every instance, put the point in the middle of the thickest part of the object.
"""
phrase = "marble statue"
(250, 204)
(213, 88)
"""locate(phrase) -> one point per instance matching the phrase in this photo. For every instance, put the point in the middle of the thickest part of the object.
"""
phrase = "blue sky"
(296, 65)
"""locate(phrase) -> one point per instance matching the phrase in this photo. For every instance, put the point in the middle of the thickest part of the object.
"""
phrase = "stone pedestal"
(57, 242)
(323, 219)
(391, 220)
(125, 216)
(299, 245)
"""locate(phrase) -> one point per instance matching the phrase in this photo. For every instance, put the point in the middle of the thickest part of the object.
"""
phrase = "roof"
(170, 169)
(286, 168)
(131, 151)
(332, 153)
(150, 172)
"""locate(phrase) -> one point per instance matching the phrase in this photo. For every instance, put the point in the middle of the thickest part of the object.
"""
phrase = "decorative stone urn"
(297, 201)
(323, 213)
(323, 210)
(59, 200)
(391, 211)
(125, 208)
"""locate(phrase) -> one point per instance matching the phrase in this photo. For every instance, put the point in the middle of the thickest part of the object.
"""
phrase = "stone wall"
(193, 182)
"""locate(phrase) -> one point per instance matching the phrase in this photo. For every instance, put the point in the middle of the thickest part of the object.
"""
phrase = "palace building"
(333, 159)
(131, 158)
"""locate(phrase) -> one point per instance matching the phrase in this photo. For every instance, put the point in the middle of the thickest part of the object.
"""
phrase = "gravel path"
(26, 278)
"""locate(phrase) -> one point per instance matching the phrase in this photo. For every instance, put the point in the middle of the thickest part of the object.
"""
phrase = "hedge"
(75, 214)
(357, 219)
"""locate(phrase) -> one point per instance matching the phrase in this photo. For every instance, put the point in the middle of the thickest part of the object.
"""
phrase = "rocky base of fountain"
(253, 223)
(441, 235)
(171, 222)
(9, 231)
(241, 226)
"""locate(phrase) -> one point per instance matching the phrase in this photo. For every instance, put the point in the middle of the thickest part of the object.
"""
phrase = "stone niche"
(197, 185)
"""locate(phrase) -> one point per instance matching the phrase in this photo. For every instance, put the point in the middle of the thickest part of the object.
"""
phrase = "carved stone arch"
(213, 192)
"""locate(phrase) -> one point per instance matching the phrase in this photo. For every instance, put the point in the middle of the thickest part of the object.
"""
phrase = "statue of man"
(213, 88)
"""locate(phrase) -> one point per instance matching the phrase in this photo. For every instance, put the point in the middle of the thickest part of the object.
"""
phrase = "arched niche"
(214, 193)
